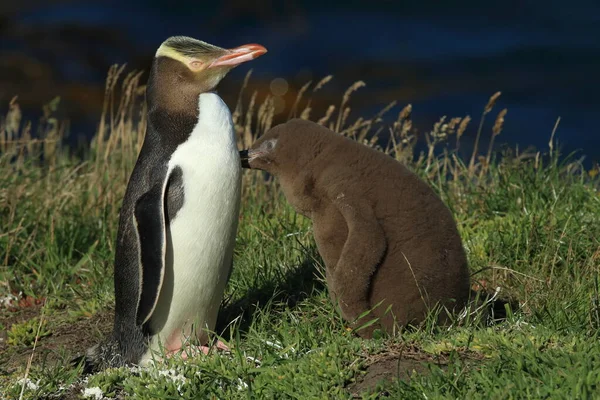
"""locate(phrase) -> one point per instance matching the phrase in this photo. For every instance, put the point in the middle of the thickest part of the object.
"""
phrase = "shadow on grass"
(297, 285)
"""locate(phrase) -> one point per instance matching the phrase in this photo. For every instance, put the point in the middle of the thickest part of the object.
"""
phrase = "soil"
(398, 362)
(66, 341)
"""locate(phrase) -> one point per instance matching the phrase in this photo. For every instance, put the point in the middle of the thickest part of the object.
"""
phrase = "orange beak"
(239, 55)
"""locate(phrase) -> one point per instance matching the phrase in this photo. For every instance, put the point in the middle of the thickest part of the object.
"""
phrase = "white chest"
(210, 163)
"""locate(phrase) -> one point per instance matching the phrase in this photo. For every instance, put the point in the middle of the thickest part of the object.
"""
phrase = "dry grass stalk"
(3, 139)
(400, 135)
(266, 112)
(127, 122)
(11, 220)
(496, 130)
(301, 92)
(438, 134)
(361, 128)
(123, 126)
(385, 110)
(392, 144)
(327, 115)
(462, 127)
(28, 368)
(263, 110)
(342, 121)
(9, 128)
(405, 132)
(366, 127)
(405, 113)
(453, 124)
(356, 127)
(551, 142)
(488, 108)
(491, 102)
(27, 145)
(13, 120)
(455, 167)
(247, 136)
(342, 110)
(374, 141)
(404, 121)
(322, 83)
(237, 112)
(305, 114)
(352, 130)
(112, 79)
(499, 123)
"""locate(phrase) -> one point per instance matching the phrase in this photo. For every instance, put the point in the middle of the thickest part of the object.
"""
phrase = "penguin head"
(186, 66)
(287, 148)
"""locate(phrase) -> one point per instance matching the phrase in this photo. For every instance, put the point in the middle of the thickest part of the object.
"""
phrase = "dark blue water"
(444, 59)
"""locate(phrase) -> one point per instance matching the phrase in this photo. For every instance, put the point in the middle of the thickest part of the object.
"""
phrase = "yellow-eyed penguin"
(179, 216)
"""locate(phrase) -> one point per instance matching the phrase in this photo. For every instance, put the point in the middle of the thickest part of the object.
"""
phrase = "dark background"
(446, 58)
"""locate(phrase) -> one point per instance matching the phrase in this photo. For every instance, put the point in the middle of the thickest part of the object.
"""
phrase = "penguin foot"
(191, 350)
(220, 346)
(206, 349)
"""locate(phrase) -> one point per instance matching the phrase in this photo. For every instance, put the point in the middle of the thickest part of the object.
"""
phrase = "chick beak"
(244, 158)
(234, 57)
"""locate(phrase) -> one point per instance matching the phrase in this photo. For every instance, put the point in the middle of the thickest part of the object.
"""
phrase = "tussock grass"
(529, 221)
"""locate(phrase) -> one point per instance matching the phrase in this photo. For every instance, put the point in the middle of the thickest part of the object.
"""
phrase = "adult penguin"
(179, 216)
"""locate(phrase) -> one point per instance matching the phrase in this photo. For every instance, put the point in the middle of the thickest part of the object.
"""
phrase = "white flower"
(179, 379)
(241, 385)
(7, 300)
(94, 392)
(28, 383)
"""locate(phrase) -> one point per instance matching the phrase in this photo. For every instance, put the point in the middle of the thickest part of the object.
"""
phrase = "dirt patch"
(10, 317)
(398, 362)
(67, 339)
(388, 370)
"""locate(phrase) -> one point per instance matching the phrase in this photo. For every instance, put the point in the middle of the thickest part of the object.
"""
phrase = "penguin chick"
(389, 243)
(179, 215)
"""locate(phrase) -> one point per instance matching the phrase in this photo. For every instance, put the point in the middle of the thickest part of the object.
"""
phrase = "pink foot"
(220, 346)
(193, 350)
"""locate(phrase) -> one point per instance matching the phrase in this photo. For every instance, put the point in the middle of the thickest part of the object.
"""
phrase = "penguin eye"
(196, 64)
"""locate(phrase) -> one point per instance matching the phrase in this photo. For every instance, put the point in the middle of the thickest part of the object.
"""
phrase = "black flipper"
(175, 195)
(149, 221)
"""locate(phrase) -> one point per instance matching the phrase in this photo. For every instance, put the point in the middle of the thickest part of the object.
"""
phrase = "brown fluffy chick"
(389, 243)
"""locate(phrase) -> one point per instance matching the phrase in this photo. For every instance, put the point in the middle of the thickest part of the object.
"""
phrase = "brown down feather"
(386, 238)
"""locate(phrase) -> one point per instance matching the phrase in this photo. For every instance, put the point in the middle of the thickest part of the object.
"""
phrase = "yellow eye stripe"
(166, 51)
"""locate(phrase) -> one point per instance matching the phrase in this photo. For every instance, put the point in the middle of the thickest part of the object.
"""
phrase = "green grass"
(529, 222)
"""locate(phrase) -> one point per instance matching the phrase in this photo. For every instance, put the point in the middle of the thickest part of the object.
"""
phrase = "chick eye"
(270, 145)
